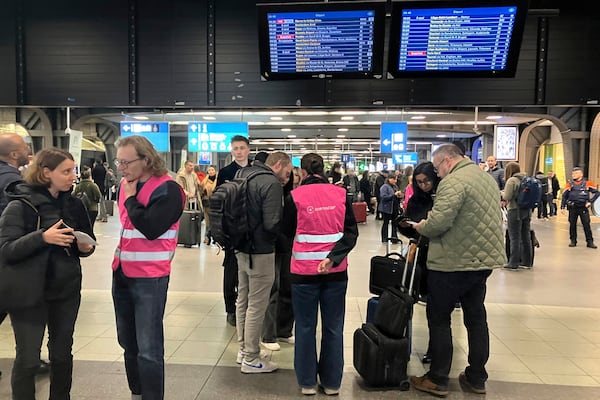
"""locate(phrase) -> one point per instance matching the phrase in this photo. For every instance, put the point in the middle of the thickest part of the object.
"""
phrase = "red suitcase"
(360, 212)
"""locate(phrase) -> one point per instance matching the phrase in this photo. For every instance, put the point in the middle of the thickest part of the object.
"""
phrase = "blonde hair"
(48, 158)
(154, 163)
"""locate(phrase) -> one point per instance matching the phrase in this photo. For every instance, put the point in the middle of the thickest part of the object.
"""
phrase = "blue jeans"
(306, 300)
(445, 289)
(139, 308)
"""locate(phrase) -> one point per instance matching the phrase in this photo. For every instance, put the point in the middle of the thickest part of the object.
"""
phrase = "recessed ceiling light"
(208, 117)
(441, 136)
(286, 129)
(271, 148)
(291, 136)
(255, 123)
(275, 118)
(349, 112)
(309, 113)
(342, 129)
(341, 136)
(418, 117)
(347, 118)
(494, 117)
(271, 113)
(310, 123)
(141, 117)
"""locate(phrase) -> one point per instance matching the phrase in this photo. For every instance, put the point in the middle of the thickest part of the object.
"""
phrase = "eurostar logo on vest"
(311, 209)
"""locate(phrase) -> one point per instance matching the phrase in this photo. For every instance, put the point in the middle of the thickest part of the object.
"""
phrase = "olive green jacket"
(465, 225)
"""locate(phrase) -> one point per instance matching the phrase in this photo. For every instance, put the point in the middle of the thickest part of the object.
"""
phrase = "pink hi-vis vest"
(138, 256)
(321, 213)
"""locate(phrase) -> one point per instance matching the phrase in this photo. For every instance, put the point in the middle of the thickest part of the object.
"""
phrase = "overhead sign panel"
(156, 132)
(214, 136)
(393, 137)
(406, 158)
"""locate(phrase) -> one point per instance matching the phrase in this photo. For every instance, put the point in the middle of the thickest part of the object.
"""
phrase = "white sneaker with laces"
(258, 366)
(273, 346)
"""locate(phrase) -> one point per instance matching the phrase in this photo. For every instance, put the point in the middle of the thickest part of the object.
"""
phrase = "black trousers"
(230, 281)
(279, 318)
(584, 214)
(29, 325)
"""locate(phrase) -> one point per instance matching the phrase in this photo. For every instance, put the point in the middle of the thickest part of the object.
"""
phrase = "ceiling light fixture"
(286, 129)
(494, 117)
(347, 118)
(291, 136)
(275, 118)
(141, 117)
(342, 129)
(208, 118)
(418, 117)
(341, 136)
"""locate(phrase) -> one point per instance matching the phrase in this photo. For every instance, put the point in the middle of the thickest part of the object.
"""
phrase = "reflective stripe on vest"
(310, 255)
(135, 234)
(307, 238)
(144, 255)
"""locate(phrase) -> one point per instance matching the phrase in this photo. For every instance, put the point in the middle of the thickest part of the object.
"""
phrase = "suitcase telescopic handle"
(411, 258)
(388, 245)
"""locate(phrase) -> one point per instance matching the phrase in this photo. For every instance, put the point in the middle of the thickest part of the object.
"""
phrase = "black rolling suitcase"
(381, 361)
(534, 243)
(190, 225)
(382, 348)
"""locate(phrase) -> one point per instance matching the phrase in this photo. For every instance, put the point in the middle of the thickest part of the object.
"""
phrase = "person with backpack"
(519, 219)
(255, 254)
(240, 150)
(576, 198)
(89, 193)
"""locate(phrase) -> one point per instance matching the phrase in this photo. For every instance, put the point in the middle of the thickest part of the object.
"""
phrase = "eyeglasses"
(436, 167)
(124, 163)
(424, 182)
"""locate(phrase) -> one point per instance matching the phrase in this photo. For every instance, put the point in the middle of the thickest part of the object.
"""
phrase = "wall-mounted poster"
(506, 140)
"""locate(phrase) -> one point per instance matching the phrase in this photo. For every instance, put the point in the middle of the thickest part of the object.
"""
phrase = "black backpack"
(530, 193)
(228, 211)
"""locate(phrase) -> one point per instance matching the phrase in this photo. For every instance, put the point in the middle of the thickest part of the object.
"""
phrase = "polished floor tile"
(544, 329)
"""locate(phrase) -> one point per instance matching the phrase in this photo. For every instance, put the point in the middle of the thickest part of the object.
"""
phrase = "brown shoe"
(423, 384)
(468, 386)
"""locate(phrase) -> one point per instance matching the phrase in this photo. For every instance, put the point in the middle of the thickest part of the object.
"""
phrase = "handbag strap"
(39, 221)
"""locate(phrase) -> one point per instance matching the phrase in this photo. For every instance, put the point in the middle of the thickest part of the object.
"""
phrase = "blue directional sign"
(214, 136)
(345, 157)
(393, 137)
(406, 158)
(156, 132)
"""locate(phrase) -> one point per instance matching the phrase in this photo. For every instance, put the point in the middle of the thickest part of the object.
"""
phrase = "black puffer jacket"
(8, 176)
(63, 277)
(265, 207)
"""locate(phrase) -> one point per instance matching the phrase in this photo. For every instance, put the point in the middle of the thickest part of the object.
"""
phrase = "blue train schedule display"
(334, 41)
(321, 40)
(463, 40)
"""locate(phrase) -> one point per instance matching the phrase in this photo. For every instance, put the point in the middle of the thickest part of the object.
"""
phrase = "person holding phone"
(389, 207)
(424, 185)
(46, 193)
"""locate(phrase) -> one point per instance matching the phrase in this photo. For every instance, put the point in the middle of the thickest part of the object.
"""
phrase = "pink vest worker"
(138, 256)
(320, 226)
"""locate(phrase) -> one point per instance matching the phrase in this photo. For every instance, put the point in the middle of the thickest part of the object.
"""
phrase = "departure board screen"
(321, 43)
(458, 39)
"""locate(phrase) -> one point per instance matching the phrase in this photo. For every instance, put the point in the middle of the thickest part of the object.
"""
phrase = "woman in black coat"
(46, 193)
(425, 183)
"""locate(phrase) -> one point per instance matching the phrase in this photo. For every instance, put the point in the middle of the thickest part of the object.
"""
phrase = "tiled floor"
(544, 324)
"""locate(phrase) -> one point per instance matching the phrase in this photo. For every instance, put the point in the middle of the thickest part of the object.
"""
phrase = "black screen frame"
(513, 52)
(376, 70)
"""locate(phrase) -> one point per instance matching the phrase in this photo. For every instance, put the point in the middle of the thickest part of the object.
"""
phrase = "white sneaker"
(260, 365)
(289, 340)
(309, 391)
(273, 346)
(263, 354)
(331, 392)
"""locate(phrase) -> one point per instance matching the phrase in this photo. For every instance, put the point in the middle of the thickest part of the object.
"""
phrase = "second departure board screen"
(321, 43)
(458, 39)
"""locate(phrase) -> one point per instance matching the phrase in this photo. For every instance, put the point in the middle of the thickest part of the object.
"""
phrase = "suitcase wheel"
(404, 386)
